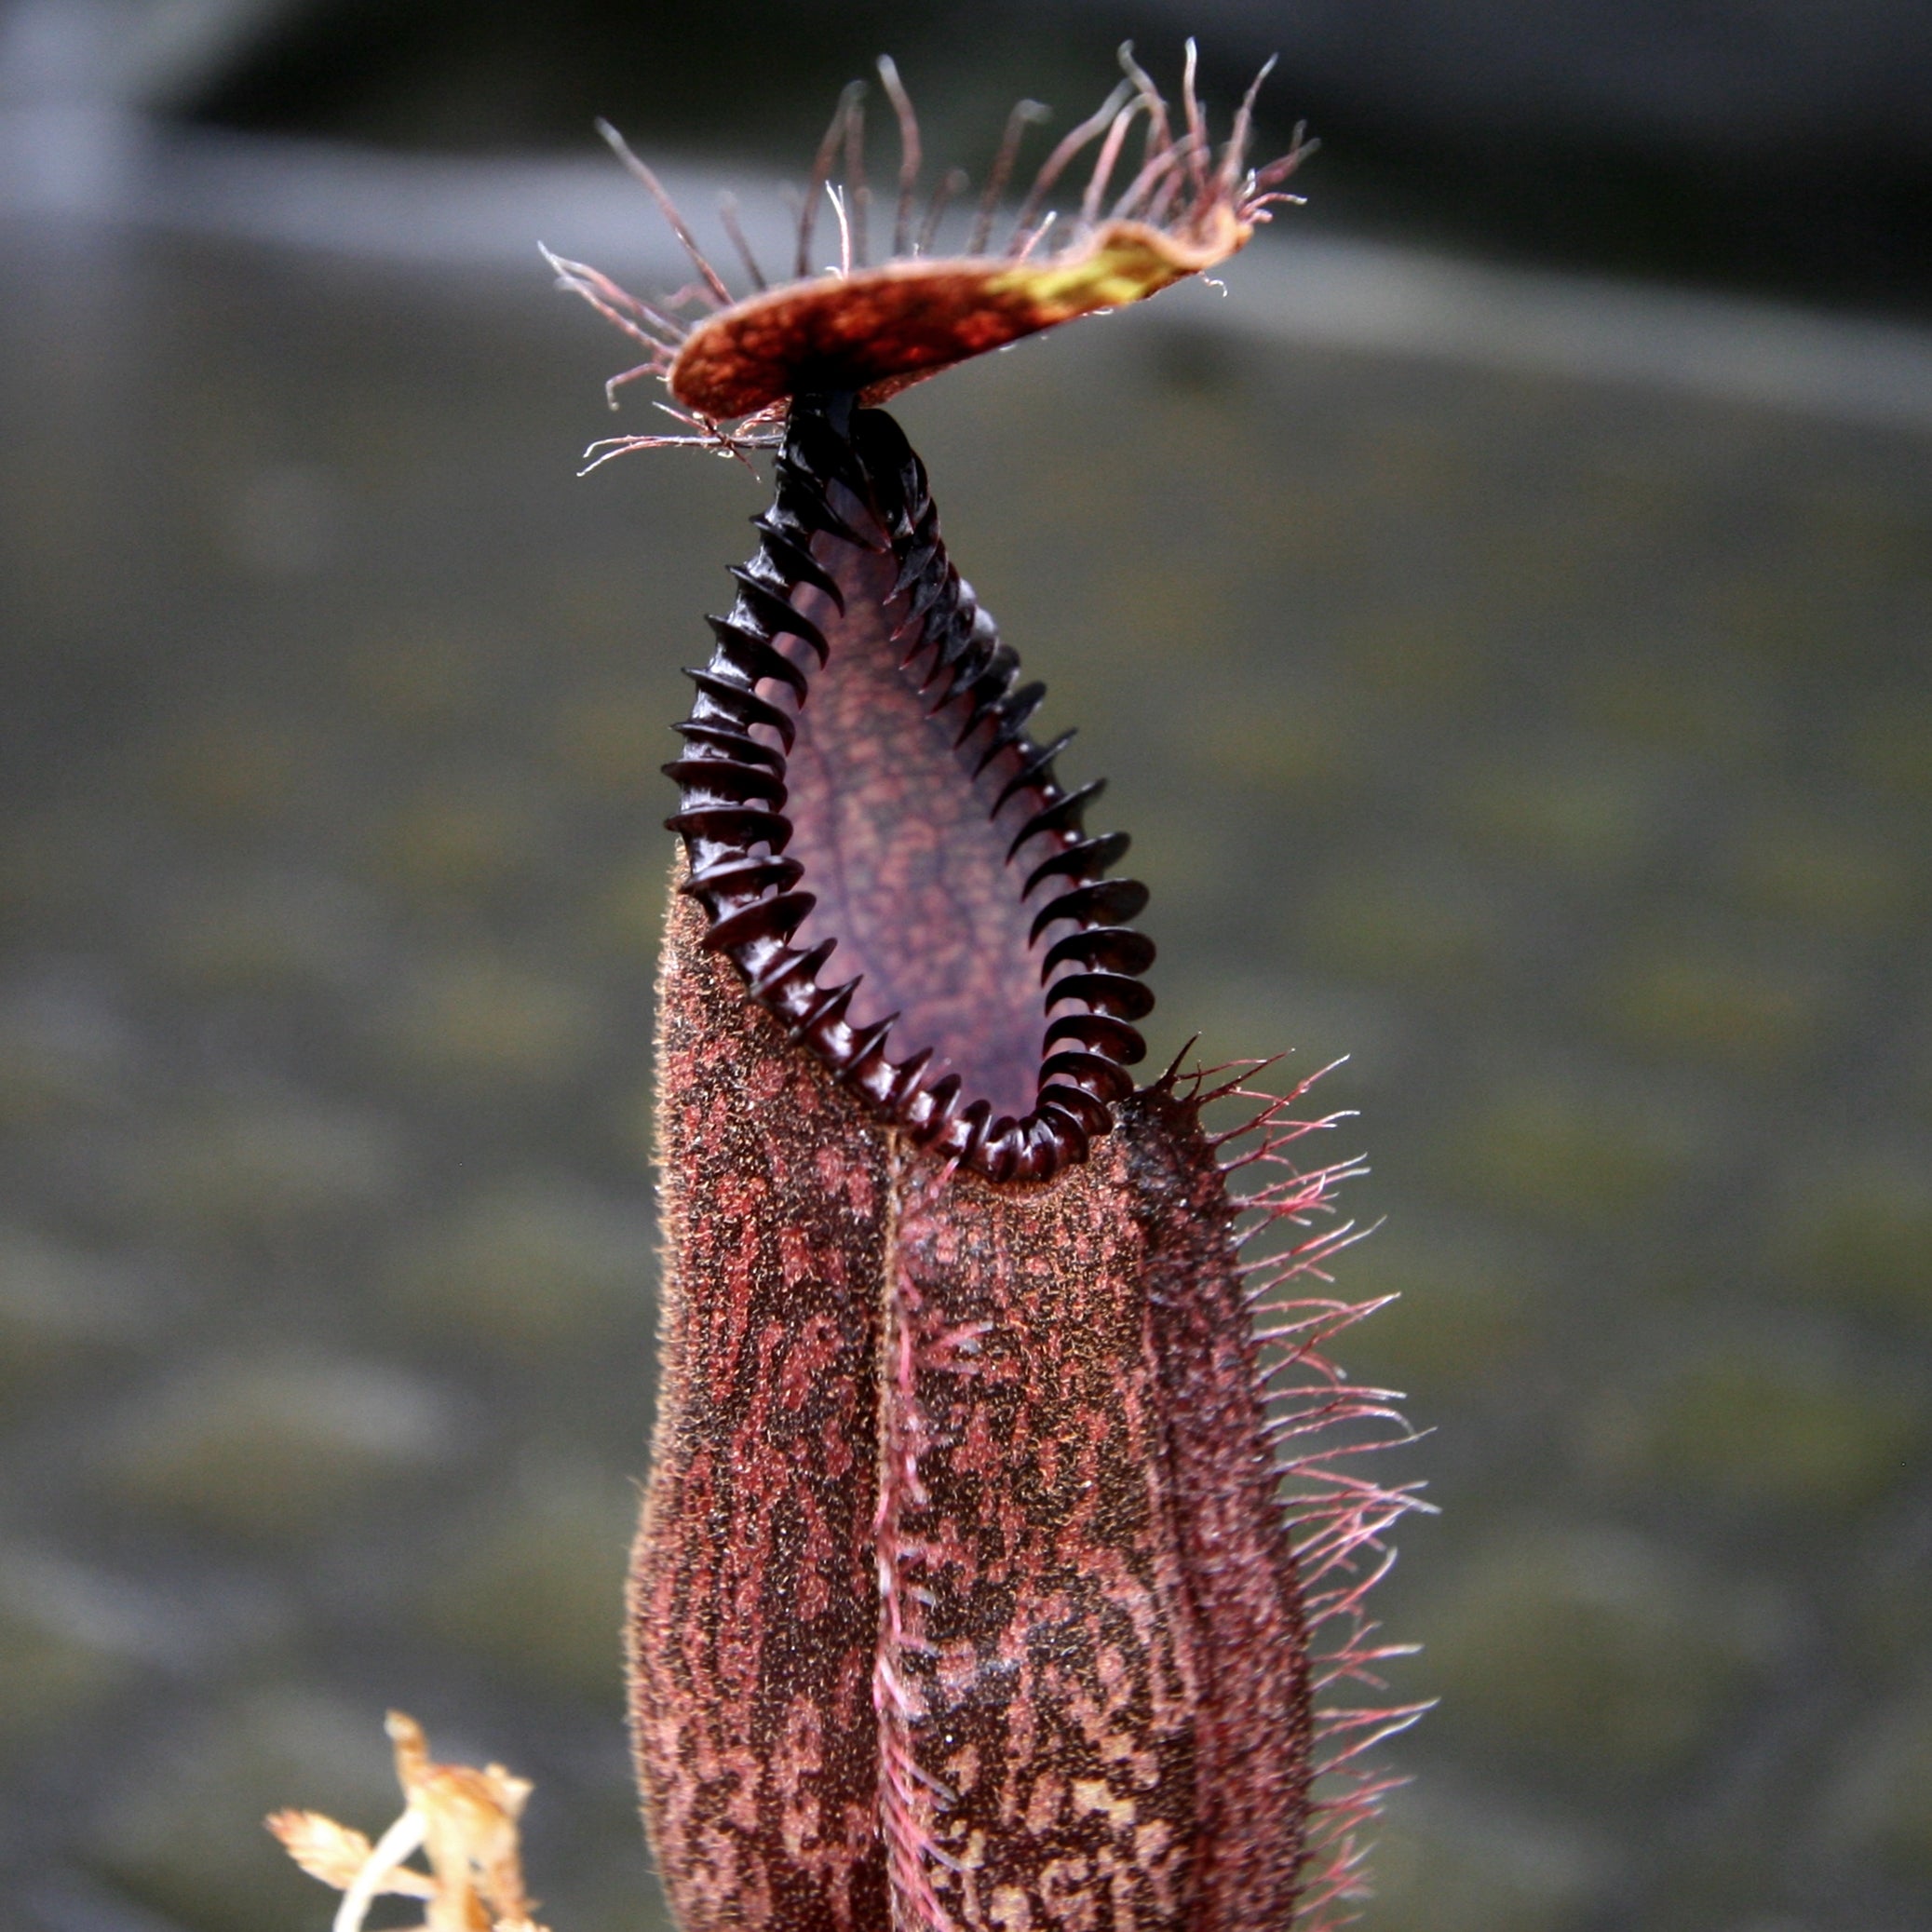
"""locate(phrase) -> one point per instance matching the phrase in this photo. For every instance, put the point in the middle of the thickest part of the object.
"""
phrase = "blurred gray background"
(1504, 617)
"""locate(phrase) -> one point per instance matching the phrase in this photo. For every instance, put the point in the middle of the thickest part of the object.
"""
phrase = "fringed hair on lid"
(1173, 208)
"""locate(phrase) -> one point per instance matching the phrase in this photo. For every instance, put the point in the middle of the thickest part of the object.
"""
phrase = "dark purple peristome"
(993, 984)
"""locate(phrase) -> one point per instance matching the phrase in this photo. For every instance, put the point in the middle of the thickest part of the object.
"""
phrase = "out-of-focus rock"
(460, 840)
(1446, 1862)
(1594, 1656)
(276, 1444)
(270, 932)
(534, 1263)
(1881, 1804)
(1471, 1309)
(235, 772)
(250, 1167)
(1564, 1148)
(1686, 997)
(58, 1308)
(1856, 1231)
(1818, 869)
(1579, 810)
(180, 1822)
(65, 1050)
(535, 1583)
(477, 1018)
(1429, 928)
(1759, 1422)
(68, 1643)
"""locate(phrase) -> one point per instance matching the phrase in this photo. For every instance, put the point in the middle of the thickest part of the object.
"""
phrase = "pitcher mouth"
(858, 777)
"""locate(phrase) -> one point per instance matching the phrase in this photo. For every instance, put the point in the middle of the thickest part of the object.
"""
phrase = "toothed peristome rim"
(734, 828)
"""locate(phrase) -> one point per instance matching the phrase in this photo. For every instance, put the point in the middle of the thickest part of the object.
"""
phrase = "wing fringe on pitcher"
(1320, 1424)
